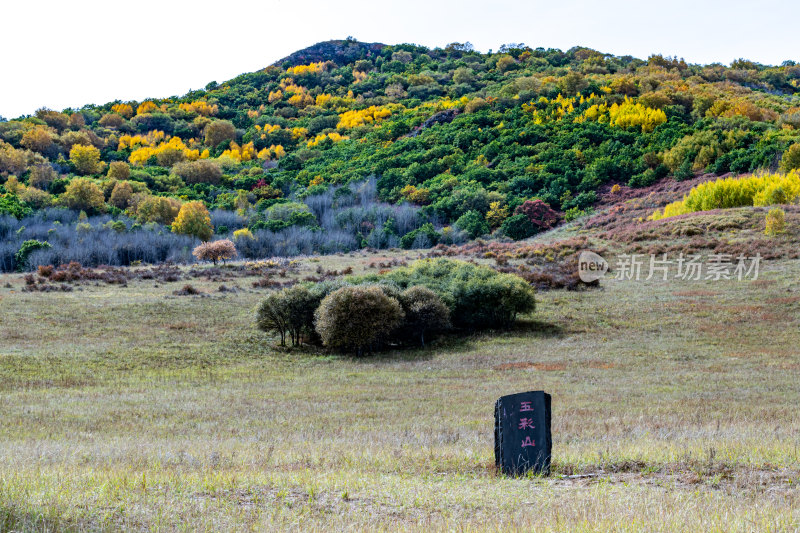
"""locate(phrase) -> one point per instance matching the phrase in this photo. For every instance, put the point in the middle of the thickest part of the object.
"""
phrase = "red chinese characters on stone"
(526, 423)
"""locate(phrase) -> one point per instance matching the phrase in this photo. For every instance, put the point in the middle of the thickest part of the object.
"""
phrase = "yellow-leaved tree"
(194, 219)
(146, 107)
(82, 194)
(497, 214)
(86, 159)
(126, 110)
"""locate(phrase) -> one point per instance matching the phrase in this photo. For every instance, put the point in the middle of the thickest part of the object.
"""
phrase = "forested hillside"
(346, 145)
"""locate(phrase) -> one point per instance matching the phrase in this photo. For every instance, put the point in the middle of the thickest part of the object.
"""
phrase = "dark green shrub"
(518, 227)
(357, 318)
(425, 313)
(289, 311)
(473, 223)
(684, 172)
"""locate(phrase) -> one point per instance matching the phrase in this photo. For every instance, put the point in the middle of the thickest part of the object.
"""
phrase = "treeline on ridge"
(509, 143)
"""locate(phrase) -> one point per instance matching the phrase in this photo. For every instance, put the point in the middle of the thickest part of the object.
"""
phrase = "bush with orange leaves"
(220, 250)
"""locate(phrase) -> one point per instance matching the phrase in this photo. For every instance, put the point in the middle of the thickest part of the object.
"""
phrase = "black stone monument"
(522, 439)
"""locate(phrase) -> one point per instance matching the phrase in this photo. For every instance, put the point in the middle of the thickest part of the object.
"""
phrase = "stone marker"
(522, 439)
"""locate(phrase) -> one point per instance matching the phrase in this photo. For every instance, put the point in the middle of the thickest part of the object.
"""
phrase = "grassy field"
(675, 407)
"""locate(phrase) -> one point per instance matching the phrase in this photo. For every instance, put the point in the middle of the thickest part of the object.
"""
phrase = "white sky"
(69, 53)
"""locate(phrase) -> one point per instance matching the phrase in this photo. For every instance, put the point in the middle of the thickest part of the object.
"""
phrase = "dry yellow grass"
(674, 408)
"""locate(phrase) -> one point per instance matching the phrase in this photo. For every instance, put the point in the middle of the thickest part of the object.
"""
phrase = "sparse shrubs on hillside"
(759, 190)
(101, 240)
(215, 251)
(574, 213)
(357, 318)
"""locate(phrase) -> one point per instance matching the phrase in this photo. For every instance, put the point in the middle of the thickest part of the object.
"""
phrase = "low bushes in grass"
(357, 318)
(405, 306)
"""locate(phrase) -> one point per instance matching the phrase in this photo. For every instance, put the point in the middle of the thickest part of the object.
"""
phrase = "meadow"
(126, 406)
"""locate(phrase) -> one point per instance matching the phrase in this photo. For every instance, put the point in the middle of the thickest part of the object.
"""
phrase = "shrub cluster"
(402, 307)
(477, 296)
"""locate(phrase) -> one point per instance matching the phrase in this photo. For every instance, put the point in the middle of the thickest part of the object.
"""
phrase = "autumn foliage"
(221, 250)
(538, 213)
(194, 219)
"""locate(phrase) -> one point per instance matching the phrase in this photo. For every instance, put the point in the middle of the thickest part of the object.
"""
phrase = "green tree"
(473, 223)
(11, 205)
(791, 158)
(291, 311)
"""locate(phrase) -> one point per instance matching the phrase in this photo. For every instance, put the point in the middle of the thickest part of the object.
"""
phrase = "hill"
(444, 144)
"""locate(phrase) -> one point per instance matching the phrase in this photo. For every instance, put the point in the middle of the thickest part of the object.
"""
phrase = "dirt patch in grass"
(783, 301)
(547, 367)
(602, 365)
(696, 293)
